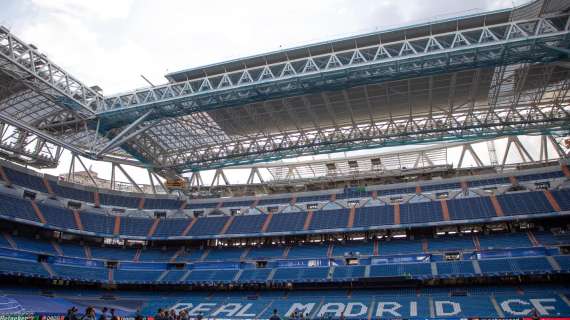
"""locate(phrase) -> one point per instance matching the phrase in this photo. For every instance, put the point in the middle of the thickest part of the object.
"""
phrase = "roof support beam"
(129, 178)
(122, 137)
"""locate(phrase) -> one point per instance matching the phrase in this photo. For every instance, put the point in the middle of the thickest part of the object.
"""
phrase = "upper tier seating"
(72, 193)
(25, 180)
(470, 208)
(374, 216)
(171, 227)
(208, 226)
(282, 222)
(98, 223)
(56, 216)
(247, 224)
(562, 197)
(524, 203)
(17, 208)
(118, 201)
(420, 212)
(169, 204)
(329, 219)
(134, 226)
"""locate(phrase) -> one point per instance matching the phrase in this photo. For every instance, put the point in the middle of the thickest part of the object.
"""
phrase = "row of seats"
(422, 302)
(36, 183)
(420, 270)
(514, 204)
(464, 243)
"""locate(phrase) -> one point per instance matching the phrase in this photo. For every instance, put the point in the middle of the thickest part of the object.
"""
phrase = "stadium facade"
(397, 234)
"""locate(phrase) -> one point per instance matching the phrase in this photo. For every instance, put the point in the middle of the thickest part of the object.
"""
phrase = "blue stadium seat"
(118, 201)
(108, 253)
(308, 251)
(72, 193)
(254, 275)
(208, 226)
(22, 267)
(317, 274)
(470, 208)
(171, 227)
(451, 243)
(58, 217)
(524, 203)
(329, 219)
(374, 216)
(156, 254)
(224, 254)
(247, 224)
(562, 197)
(17, 208)
(98, 223)
(348, 272)
(420, 212)
(283, 222)
(504, 240)
(455, 268)
(265, 252)
(35, 245)
(25, 180)
(84, 273)
(362, 248)
(134, 226)
(162, 204)
(394, 247)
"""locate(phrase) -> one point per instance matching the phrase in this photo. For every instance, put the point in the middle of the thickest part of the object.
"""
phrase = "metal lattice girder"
(22, 61)
(24, 147)
(499, 44)
(470, 124)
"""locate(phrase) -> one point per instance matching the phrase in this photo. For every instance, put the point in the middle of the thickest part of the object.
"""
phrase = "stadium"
(445, 192)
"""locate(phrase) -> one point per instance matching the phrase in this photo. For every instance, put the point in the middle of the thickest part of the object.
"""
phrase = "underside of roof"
(478, 76)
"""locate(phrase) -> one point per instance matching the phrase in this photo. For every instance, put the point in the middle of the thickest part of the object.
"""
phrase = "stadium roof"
(470, 77)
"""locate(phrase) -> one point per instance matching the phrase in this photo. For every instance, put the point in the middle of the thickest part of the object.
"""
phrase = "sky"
(111, 43)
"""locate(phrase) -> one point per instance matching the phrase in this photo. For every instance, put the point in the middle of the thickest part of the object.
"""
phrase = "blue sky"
(111, 43)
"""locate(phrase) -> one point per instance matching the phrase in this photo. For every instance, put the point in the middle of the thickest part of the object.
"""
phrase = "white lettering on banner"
(201, 308)
(506, 306)
(305, 308)
(349, 311)
(439, 308)
(543, 310)
(242, 312)
(228, 309)
(331, 307)
(413, 308)
(383, 307)
(181, 306)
